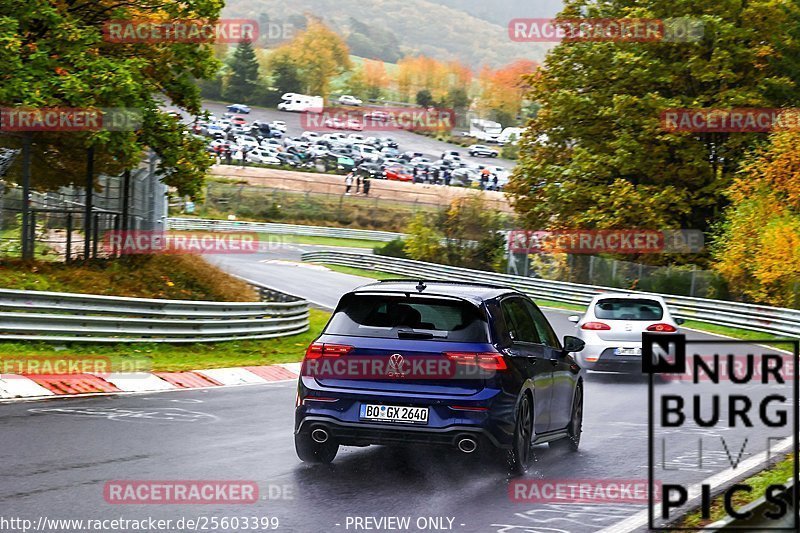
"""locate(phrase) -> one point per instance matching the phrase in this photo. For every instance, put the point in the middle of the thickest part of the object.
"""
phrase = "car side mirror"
(573, 344)
(574, 318)
(680, 321)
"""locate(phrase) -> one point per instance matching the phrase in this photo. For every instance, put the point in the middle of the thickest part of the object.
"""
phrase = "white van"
(301, 103)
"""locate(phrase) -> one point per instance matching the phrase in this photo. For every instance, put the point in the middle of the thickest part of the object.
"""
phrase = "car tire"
(494, 154)
(310, 451)
(518, 457)
(575, 428)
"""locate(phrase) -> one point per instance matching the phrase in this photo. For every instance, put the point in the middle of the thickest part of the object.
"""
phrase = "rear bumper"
(607, 361)
(340, 414)
(363, 434)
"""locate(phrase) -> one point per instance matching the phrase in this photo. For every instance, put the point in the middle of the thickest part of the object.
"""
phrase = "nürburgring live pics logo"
(720, 409)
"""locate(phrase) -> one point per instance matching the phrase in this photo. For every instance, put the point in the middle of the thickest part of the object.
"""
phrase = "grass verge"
(777, 474)
(373, 274)
(323, 241)
(174, 277)
(159, 357)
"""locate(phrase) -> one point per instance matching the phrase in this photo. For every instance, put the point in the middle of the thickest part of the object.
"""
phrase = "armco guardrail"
(66, 317)
(204, 224)
(765, 319)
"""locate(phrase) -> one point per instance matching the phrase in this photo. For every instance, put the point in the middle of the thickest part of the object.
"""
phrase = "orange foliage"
(758, 252)
(415, 73)
(504, 89)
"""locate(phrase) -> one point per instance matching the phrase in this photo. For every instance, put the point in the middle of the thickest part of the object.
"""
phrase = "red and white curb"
(32, 387)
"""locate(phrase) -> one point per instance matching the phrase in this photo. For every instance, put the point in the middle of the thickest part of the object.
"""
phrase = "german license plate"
(395, 413)
(628, 351)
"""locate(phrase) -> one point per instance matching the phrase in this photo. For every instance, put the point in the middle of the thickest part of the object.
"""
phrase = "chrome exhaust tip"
(320, 435)
(467, 445)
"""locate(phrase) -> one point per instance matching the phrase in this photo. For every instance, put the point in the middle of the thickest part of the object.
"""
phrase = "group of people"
(224, 152)
(486, 176)
(434, 175)
(362, 183)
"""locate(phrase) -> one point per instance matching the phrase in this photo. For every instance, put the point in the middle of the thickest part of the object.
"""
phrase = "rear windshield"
(416, 317)
(628, 309)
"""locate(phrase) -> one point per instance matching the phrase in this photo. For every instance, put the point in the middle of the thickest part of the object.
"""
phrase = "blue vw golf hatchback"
(442, 363)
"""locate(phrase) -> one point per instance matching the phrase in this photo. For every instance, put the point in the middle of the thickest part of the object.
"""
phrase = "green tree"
(424, 98)
(424, 240)
(284, 73)
(53, 54)
(466, 234)
(457, 98)
(596, 154)
(244, 73)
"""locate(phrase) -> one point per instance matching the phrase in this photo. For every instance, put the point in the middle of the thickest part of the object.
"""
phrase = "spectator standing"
(348, 184)
(228, 155)
(447, 177)
(366, 185)
(484, 178)
(358, 182)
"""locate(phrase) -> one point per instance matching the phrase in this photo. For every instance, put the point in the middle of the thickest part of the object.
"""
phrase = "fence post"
(126, 200)
(27, 245)
(95, 234)
(68, 251)
(32, 233)
(87, 237)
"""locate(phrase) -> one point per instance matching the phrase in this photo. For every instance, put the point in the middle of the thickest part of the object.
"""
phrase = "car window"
(520, 322)
(543, 327)
(386, 315)
(628, 309)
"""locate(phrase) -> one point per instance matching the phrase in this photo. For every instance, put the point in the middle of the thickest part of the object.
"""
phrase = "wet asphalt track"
(57, 455)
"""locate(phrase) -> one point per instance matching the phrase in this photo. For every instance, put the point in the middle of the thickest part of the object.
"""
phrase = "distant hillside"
(412, 26)
(501, 11)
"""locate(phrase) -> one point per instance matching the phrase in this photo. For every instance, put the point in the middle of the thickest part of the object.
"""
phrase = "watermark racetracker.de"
(151, 31)
(571, 30)
(69, 119)
(620, 241)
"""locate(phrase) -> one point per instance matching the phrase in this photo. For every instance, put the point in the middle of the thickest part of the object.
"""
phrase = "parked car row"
(234, 139)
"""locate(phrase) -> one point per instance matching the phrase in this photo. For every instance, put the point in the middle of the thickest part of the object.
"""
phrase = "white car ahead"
(346, 99)
(612, 329)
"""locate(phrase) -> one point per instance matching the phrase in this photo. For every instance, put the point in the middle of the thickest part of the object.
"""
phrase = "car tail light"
(596, 326)
(662, 328)
(468, 408)
(318, 349)
(485, 360)
(591, 359)
(319, 399)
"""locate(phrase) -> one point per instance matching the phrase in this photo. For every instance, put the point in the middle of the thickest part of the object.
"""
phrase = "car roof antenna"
(421, 286)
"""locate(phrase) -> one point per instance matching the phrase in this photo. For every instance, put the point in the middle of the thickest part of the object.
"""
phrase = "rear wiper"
(412, 334)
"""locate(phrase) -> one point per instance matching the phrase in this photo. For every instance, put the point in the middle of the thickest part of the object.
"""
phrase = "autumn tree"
(597, 156)
(421, 73)
(319, 54)
(757, 249)
(502, 91)
(375, 77)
